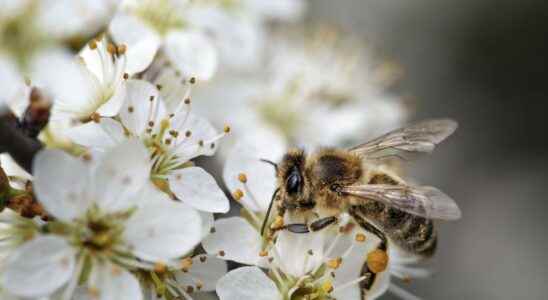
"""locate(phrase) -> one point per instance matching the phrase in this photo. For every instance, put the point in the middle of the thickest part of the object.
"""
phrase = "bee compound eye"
(293, 183)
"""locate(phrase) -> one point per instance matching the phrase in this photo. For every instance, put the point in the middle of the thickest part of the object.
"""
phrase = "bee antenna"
(275, 165)
(268, 211)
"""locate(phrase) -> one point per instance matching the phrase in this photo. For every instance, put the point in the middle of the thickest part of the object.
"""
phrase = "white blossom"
(316, 88)
(172, 137)
(112, 225)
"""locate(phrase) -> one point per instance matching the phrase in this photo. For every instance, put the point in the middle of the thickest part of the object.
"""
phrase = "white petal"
(60, 183)
(201, 130)
(238, 240)
(294, 248)
(139, 93)
(113, 282)
(163, 230)
(192, 53)
(75, 89)
(142, 42)
(245, 157)
(11, 83)
(208, 223)
(197, 188)
(351, 269)
(206, 272)
(120, 174)
(113, 104)
(12, 168)
(98, 136)
(28, 271)
(247, 283)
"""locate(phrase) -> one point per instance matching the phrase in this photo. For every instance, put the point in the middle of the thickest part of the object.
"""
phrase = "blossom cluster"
(123, 97)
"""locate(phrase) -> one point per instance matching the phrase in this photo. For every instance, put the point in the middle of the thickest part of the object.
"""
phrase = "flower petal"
(163, 230)
(142, 42)
(294, 250)
(203, 139)
(113, 104)
(192, 53)
(245, 157)
(205, 271)
(234, 239)
(112, 282)
(247, 283)
(62, 193)
(28, 271)
(135, 114)
(75, 89)
(197, 188)
(121, 173)
(98, 136)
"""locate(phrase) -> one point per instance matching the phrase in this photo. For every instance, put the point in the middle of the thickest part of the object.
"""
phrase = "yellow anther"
(121, 49)
(95, 117)
(242, 178)
(199, 284)
(263, 253)
(186, 264)
(160, 267)
(377, 260)
(226, 129)
(334, 263)
(187, 101)
(327, 286)
(238, 194)
(192, 80)
(93, 45)
(360, 237)
(111, 48)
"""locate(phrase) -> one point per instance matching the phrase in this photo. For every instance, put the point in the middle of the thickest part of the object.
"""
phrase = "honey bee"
(322, 185)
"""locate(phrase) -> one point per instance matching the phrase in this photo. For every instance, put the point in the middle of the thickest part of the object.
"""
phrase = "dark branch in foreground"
(12, 141)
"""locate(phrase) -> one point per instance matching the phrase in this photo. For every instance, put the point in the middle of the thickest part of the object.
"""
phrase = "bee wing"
(423, 201)
(419, 137)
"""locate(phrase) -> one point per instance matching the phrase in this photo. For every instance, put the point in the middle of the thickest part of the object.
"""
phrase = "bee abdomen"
(416, 235)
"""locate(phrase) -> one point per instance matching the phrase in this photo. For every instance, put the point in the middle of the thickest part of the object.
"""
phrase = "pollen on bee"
(334, 263)
(242, 177)
(278, 222)
(360, 237)
(377, 260)
(160, 267)
(238, 194)
(327, 286)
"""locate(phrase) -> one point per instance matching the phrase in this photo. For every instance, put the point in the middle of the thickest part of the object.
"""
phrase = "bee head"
(292, 180)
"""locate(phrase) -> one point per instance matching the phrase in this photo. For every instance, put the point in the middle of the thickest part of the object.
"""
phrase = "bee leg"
(322, 223)
(296, 228)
